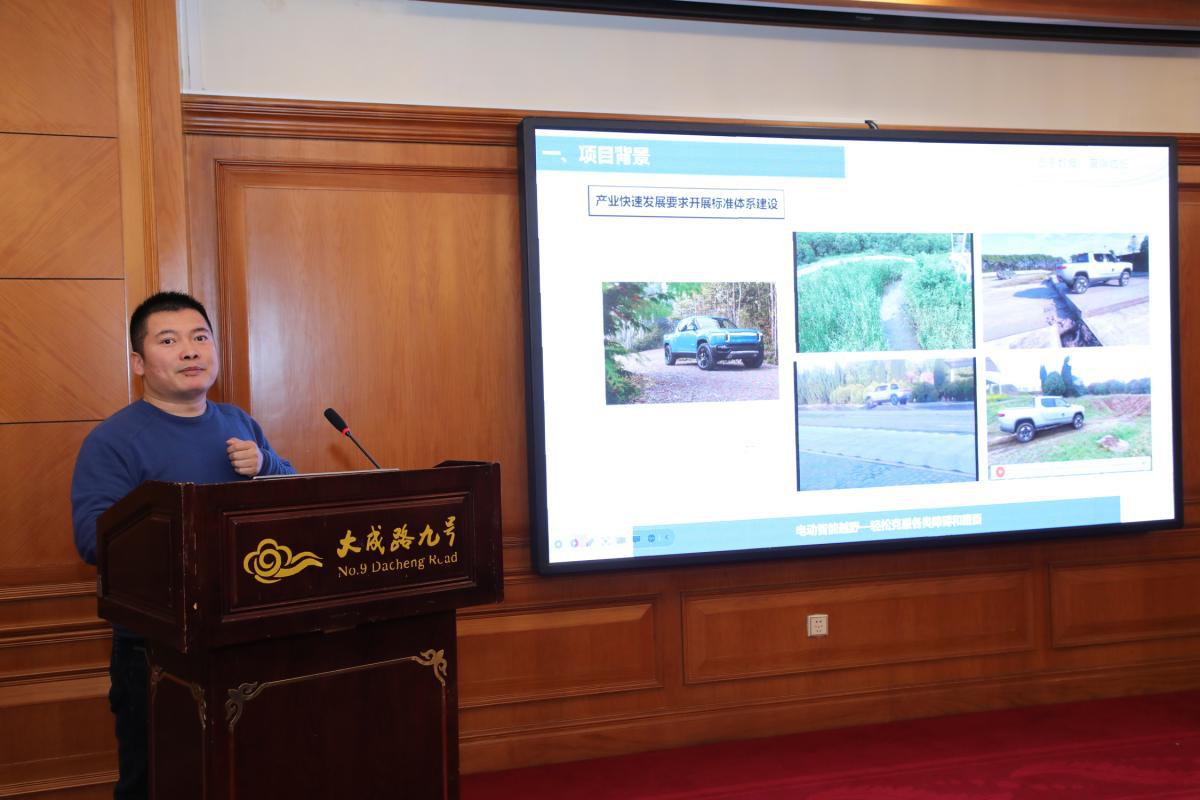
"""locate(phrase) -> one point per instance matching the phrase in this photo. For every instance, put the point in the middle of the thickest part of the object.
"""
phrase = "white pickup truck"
(1084, 269)
(1046, 412)
(892, 393)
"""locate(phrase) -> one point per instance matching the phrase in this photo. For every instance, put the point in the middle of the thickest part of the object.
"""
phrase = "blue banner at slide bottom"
(755, 534)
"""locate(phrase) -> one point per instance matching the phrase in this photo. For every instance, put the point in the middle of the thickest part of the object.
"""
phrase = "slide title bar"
(664, 156)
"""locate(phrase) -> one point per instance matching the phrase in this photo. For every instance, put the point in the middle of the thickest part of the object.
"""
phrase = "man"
(172, 434)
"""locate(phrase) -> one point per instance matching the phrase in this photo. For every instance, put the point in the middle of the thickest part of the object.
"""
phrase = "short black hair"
(162, 301)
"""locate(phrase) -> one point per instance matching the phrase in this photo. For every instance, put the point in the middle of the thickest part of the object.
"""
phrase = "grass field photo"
(873, 292)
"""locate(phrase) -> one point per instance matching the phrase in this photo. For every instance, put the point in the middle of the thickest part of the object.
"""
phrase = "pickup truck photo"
(1045, 412)
(1083, 269)
(892, 393)
(712, 339)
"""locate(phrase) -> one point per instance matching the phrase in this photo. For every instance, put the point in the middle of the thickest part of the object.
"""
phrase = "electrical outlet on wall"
(818, 624)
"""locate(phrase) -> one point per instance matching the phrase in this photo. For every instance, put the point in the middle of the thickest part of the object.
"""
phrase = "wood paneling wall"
(366, 257)
(91, 218)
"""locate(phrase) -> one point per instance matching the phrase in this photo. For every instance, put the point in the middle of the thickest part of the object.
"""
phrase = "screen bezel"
(534, 366)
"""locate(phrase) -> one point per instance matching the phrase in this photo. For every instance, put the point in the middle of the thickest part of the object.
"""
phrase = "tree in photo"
(628, 308)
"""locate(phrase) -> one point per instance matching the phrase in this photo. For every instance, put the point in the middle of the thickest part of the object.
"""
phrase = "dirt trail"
(687, 383)
(999, 445)
(898, 328)
(1126, 406)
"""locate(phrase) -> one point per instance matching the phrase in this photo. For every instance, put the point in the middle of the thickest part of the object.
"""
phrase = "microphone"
(335, 419)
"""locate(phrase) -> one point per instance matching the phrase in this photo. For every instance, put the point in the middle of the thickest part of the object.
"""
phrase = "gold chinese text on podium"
(301, 631)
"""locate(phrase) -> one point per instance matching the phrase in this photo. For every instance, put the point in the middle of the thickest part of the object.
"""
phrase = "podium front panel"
(399, 547)
(204, 566)
(369, 712)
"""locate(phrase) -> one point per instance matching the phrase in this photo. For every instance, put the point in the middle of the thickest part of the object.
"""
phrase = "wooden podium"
(300, 630)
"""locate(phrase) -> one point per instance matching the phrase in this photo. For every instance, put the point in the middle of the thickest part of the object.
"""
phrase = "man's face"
(178, 362)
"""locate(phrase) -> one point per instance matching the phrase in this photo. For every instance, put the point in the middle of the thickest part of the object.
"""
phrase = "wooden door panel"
(35, 494)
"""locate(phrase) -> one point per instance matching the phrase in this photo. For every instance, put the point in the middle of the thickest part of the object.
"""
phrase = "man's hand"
(245, 456)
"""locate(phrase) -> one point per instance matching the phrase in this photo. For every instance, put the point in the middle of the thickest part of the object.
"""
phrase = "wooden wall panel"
(35, 491)
(60, 207)
(66, 340)
(57, 655)
(606, 648)
(87, 776)
(91, 216)
(57, 67)
(344, 288)
(84, 777)
(154, 213)
(347, 260)
(734, 636)
(55, 718)
(1189, 328)
(46, 608)
(1124, 602)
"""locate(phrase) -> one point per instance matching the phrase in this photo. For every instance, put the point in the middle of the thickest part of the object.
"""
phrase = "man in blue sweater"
(174, 433)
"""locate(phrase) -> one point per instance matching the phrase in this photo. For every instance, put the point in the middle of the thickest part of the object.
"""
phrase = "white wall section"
(426, 53)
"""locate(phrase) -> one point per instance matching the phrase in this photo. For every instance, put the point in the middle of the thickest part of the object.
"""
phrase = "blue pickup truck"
(713, 339)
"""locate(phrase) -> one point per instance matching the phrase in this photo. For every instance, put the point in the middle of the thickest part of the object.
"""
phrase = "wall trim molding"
(367, 122)
(223, 115)
(58, 776)
(46, 591)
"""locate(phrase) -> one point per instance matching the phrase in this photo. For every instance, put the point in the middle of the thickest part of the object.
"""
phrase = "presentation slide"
(754, 342)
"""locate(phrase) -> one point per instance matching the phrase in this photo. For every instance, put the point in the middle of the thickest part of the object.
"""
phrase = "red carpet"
(1135, 747)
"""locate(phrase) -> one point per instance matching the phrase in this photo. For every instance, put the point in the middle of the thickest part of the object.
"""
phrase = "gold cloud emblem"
(272, 562)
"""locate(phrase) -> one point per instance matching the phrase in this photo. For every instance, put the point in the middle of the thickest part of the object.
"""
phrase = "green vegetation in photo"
(627, 306)
(1020, 261)
(1135, 435)
(939, 302)
(838, 307)
(813, 247)
(847, 384)
(841, 283)
(1066, 383)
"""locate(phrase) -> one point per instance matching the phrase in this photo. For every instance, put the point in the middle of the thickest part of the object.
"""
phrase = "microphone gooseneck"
(335, 419)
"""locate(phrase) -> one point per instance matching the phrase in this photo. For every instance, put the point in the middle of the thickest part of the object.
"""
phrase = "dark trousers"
(128, 699)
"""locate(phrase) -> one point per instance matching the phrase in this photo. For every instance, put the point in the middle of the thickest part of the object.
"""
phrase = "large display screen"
(757, 342)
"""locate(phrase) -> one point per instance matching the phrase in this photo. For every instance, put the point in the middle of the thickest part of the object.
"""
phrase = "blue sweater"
(144, 443)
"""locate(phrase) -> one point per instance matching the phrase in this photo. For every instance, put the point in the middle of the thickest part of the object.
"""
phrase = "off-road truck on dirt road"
(1046, 412)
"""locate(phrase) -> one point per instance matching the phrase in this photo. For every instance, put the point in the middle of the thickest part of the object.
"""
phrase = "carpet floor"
(1131, 748)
